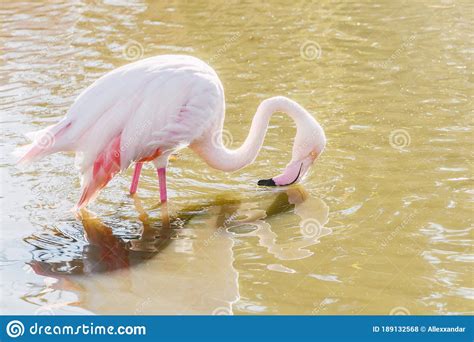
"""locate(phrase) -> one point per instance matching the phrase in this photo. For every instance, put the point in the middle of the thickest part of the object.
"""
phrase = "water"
(383, 224)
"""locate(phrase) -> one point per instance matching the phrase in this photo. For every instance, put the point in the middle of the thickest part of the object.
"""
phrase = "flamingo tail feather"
(105, 167)
(45, 142)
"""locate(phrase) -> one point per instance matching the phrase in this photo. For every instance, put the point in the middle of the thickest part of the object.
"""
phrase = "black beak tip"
(266, 182)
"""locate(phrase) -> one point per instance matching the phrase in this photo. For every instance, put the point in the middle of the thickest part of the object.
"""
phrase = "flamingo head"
(308, 146)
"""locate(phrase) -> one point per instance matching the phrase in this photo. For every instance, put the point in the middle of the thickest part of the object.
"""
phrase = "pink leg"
(136, 176)
(162, 181)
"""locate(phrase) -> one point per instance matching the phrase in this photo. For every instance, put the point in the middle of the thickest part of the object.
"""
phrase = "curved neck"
(213, 151)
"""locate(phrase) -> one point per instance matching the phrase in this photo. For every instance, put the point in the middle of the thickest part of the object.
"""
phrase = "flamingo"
(147, 110)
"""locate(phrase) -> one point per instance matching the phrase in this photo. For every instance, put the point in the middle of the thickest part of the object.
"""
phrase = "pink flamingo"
(147, 110)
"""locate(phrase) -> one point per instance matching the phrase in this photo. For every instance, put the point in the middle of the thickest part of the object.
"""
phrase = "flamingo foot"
(136, 177)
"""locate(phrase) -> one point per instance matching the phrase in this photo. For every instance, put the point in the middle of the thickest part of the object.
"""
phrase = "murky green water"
(383, 224)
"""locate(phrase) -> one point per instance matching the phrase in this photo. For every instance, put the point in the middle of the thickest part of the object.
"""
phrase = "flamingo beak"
(290, 176)
(293, 172)
(266, 182)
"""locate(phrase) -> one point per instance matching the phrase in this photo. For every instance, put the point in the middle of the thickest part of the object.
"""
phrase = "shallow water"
(383, 224)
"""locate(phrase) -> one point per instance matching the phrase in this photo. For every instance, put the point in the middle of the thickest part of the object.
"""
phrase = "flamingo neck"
(218, 156)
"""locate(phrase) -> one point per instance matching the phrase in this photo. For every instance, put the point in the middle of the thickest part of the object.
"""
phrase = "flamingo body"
(145, 111)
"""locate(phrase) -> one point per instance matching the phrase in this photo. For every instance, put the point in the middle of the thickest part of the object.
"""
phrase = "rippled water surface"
(383, 224)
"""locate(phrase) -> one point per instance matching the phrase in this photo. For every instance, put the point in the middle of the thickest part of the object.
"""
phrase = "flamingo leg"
(136, 176)
(162, 181)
